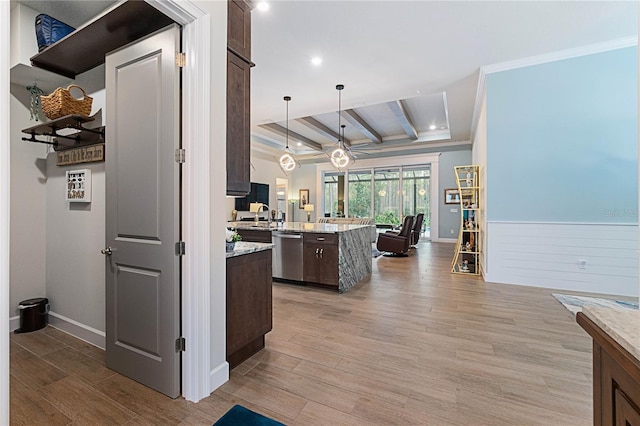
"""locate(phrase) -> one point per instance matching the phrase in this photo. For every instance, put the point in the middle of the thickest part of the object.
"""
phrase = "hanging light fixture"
(287, 161)
(339, 157)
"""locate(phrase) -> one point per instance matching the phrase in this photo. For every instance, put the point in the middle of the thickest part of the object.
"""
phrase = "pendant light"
(287, 161)
(339, 157)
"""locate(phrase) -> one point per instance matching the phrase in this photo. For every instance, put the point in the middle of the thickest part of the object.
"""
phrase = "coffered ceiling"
(407, 66)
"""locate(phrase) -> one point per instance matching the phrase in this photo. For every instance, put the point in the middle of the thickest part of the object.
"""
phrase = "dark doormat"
(240, 416)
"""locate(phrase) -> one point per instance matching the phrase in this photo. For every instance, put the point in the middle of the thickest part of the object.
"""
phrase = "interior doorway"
(282, 189)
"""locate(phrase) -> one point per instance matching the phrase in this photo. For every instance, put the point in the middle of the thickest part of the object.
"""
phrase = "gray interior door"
(143, 211)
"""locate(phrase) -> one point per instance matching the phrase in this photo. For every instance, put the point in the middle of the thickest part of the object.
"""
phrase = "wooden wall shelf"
(86, 47)
(83, 136)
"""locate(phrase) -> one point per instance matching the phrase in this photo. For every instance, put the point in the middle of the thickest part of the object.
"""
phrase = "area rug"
(240, 416)
(575, 303)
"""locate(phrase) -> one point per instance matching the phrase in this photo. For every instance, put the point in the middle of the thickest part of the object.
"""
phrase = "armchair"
(396, 243)
(417, 229)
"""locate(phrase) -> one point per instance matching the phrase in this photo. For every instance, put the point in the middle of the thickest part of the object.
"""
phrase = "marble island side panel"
(355, 260)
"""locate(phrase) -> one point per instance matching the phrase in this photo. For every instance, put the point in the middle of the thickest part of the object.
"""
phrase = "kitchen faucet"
(266, 207)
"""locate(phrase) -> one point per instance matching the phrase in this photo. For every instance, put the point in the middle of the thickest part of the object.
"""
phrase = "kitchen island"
(323, 254)
(249, 300)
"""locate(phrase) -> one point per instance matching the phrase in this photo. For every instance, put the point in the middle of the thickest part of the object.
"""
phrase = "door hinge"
(181, 344)
(180, 248)
(180, 155)
(181, 59)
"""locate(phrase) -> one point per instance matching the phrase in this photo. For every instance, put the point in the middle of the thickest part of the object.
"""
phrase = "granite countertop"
(244, 247)
(623, 325)
(328, 228)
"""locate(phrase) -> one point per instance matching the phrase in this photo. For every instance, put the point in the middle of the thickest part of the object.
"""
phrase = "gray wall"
(28, 207)
(75, 269)
(75, 235)
(304, 178)
(449, 220)
(55, 245)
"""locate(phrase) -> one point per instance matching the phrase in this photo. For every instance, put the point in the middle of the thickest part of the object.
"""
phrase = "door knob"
(108, 251)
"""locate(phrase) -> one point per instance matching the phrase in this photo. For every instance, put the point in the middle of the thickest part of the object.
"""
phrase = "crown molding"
(559, 55)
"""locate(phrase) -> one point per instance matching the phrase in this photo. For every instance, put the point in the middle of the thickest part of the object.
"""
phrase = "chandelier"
(287, 161)
(339, 156)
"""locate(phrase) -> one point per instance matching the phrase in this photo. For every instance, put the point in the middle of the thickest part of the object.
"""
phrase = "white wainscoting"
(549, 254)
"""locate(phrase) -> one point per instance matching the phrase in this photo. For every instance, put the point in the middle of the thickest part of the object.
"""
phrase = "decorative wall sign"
(79, 186)
(85, 154)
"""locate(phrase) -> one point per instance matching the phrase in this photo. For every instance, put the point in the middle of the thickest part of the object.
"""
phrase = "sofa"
(352, 221)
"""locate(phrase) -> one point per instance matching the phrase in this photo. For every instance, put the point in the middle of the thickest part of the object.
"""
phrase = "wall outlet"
(582, 264)
(454, 210)
(452, 231)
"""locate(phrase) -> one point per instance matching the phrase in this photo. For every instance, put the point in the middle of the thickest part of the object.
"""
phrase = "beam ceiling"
(402, 116)
(282, 131)
(325, 131)
(363, 127)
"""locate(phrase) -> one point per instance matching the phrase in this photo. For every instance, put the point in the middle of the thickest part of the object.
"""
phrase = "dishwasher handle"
(287, 235)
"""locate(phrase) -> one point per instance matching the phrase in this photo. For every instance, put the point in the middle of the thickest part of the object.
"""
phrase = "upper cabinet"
(86, 47)
(238, 98)
(239, 29)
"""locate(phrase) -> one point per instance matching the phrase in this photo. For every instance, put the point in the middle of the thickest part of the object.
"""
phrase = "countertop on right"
(622, 325)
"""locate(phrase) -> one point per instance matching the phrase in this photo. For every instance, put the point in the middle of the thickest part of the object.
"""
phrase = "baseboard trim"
(218, 376)
(447, 240)
(14, 323)
(79, 330)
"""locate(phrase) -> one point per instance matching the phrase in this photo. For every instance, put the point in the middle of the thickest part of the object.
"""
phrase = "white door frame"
(196, 184)
(4, 211)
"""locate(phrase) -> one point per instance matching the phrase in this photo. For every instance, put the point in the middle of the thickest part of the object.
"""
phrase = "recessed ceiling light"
(299, 144)
(316, 60)
(263, 6)
(432, 127)
(417, 92)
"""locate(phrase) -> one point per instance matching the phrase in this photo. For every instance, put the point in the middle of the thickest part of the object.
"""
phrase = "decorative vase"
(230, 245)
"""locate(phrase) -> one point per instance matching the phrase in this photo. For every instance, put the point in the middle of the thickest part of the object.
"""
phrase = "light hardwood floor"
(412, 344)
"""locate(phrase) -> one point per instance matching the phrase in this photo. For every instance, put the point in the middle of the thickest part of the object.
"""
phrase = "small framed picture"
(304, 198)
(451, 196)
(78, 186)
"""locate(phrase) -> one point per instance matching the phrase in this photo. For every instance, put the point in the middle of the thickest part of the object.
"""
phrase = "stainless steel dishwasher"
(287, 255)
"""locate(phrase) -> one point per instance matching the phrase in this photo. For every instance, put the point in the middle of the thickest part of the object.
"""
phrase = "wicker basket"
(61, 103)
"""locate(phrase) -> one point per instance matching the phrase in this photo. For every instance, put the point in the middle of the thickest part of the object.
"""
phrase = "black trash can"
(34, 314)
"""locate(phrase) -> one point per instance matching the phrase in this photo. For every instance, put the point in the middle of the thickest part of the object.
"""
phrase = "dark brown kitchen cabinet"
(238, 99)
(239, 28)
(238, 126)
(255, 235)
(320, 255)
(616, 379)
(249, 304)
